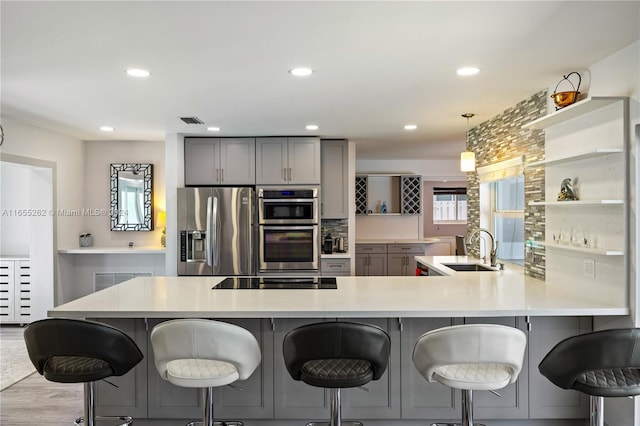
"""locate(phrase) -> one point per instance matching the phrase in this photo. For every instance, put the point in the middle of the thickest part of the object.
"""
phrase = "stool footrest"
(219, 423)
(344, 423)
(455, 424)
(128, 420)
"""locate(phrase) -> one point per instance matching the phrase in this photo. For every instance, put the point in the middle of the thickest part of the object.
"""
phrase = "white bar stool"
(200, 353)
(471, 357)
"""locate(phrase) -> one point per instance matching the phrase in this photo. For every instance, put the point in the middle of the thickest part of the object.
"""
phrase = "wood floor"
(36, 401)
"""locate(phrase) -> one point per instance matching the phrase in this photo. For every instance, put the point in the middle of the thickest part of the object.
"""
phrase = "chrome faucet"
(494, 244)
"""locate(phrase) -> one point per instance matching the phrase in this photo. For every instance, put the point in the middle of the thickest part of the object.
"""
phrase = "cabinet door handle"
(284, 174)
(217, 175)
(290, 175)
(221, 175)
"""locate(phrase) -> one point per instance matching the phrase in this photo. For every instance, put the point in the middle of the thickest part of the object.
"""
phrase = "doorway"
(27, 224)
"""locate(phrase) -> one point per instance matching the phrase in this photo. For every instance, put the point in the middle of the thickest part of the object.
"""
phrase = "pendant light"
(467, 158)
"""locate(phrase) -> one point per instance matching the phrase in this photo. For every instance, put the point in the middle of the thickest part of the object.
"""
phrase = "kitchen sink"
(469, 267)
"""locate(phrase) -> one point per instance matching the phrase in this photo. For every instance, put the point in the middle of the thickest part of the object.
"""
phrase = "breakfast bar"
(405, 307)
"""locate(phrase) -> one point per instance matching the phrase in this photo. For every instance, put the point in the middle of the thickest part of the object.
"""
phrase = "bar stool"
(201, 353)
(471, 357)
(601, 363)
(80, 351)
(336, 355)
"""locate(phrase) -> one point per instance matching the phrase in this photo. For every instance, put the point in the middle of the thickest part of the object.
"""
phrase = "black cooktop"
(267, 283)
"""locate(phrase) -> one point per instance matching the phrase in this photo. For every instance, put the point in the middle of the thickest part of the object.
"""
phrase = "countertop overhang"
(462, 294)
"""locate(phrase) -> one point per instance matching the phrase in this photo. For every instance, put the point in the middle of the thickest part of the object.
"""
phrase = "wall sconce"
(467, 158)
(161, 222)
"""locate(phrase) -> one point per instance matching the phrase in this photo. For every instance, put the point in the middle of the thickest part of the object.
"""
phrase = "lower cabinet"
(401, 258)
(402, 393)
(248, 399)
(335, 267)
(546, 400)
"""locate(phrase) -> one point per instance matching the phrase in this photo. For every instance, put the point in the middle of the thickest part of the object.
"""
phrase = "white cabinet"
(15, 290)
(287, 161)
(335, 179)
(587, 239)
(219, 161)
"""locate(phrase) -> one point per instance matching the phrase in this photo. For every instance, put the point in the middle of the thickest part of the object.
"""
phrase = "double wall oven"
(288, 230)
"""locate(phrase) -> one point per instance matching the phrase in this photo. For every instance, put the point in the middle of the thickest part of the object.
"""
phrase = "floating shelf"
(584, 155)
(114, 250)
(596, 251)
(589, 104)
(576, 203)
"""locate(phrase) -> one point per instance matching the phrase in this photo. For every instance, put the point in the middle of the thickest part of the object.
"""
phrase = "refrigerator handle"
(216, 242)
(207, 240)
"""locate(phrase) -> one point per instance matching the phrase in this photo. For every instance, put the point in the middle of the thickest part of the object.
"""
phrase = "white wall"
(98, 157)
(14, 196)
(429, 169)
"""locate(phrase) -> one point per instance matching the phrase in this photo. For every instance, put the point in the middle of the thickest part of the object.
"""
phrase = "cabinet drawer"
(371, 248)
(336, 266)
(406, 248)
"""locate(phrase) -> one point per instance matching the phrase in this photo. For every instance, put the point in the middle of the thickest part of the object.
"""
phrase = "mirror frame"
(147, 171)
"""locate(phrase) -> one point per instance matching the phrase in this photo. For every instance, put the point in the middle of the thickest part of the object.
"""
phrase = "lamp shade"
(467, 161)
(161, 219)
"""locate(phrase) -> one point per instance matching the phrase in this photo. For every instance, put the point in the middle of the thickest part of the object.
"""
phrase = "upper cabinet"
(219, 161)
(283, 161)
(335, 179)
(389, 194)
(586, 238)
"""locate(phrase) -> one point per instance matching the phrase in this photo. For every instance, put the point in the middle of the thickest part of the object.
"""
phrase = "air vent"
(192, 120)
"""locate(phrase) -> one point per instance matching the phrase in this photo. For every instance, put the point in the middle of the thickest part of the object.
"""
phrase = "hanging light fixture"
(467, 158)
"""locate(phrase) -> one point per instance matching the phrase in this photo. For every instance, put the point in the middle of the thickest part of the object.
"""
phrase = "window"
(507, 218)
(449, 205)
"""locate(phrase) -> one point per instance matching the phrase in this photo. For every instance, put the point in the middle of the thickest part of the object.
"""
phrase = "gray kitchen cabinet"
(400, 258)
(129, 395)
(378, 399)
(295, 399)
(546, 400)
(335, 179)
(283, 161)
(422, 399)
(335, 267)
(249, 399)
(513, 402)
(371, 259)
(219, 161)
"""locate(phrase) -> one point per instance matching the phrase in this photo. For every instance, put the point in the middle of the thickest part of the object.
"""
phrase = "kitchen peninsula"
(404, 306)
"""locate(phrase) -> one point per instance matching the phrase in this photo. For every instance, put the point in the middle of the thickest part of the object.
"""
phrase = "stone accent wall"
(337, 228)
(502, 138)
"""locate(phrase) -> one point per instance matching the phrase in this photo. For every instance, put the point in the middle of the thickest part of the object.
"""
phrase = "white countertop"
(470, 294)
(398, 241)
(114, 250)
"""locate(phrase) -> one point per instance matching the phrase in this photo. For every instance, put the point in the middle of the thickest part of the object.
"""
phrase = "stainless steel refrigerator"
(215, 231)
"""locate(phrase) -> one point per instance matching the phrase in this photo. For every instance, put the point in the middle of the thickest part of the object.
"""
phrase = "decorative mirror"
(131, 196)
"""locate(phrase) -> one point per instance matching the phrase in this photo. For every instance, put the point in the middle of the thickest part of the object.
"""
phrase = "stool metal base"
(128, 420)
(90, 410)
(344, 423)
(229, 423)
(455, 424)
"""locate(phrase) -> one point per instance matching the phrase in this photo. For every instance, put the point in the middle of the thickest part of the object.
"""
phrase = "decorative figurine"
(567, 193)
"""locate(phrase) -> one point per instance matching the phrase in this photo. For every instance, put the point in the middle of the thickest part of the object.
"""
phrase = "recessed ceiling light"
(468, 71)
(106, 128)
(213, 129)
(301, 72)
(137, 72)
(410, 127)
(312, 127)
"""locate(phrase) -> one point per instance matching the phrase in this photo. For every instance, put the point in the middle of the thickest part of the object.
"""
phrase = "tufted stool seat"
(79, 351)
(600, 364)
(471, 357)
(201, 353)
(336, 355)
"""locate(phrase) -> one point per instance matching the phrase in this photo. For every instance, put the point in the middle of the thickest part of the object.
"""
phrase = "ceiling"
(377, 66)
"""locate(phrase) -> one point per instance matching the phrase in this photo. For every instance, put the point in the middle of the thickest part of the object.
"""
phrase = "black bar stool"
(600, 364)
(336, 355)
(79, 351)
(470, 357)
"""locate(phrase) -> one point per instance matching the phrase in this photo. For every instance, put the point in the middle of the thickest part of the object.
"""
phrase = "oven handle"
(287, 200)
(288, 227)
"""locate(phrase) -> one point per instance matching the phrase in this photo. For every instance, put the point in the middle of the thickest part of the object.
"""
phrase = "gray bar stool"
(201, 353)
(79, 351)
(471, 357)
(336, 355)
(600, 364)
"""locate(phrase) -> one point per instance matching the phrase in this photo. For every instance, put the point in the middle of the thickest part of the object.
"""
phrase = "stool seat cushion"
(474, 376)
(201, 373)
(76, 369)
(337, 373)
(614, 381)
